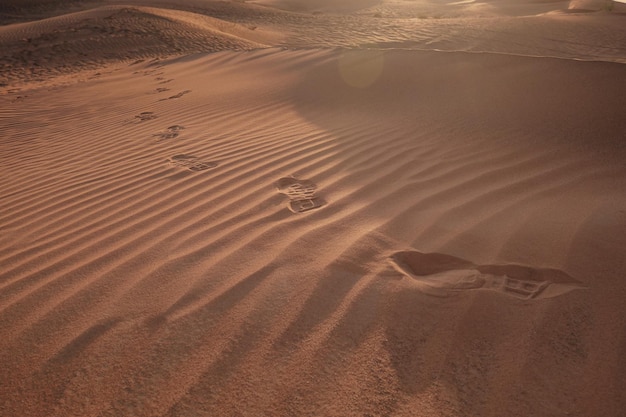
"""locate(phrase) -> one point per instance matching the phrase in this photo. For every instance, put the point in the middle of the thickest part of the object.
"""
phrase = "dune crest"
(113, 34)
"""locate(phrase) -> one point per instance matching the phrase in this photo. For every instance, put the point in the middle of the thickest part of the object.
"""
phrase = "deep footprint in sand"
(301, 194)
(440, 274)
(169, 133)
(190, 162)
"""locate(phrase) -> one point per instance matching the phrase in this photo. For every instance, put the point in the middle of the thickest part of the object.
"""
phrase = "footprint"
(301, 194)
(439, 274)
(179, 95)
(146, 115)
(190, 162)
(159, 90)
(169, 133)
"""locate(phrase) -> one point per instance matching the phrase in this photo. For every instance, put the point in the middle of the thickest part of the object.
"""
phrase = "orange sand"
(291, 208)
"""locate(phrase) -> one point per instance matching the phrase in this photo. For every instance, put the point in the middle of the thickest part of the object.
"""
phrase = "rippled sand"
(294, 208)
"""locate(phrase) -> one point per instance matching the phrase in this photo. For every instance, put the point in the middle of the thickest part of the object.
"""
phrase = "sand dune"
(320, 5)
(274, 230)
(115, 31)
(90, 39)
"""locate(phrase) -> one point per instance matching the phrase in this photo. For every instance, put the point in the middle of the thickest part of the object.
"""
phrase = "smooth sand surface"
(286, 208)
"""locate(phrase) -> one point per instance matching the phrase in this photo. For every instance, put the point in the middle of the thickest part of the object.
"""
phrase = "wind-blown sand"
(284, 208)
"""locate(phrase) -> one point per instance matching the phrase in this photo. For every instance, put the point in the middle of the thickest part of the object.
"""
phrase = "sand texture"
(312, 208)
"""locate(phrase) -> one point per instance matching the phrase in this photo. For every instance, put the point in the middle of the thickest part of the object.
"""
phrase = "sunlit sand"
(312, 208)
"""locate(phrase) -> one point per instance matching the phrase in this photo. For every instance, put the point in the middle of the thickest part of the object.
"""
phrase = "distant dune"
(75, 40)
(107, 34)
(319, 5)
(290, 208)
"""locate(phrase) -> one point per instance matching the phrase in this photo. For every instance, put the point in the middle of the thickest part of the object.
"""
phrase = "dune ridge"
(126, 31)
(56, 46)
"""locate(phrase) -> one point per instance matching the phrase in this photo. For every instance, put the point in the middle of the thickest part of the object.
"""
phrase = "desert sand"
(312, 208)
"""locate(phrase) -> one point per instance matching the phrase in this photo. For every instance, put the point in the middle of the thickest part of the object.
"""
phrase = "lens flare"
(361, 69)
